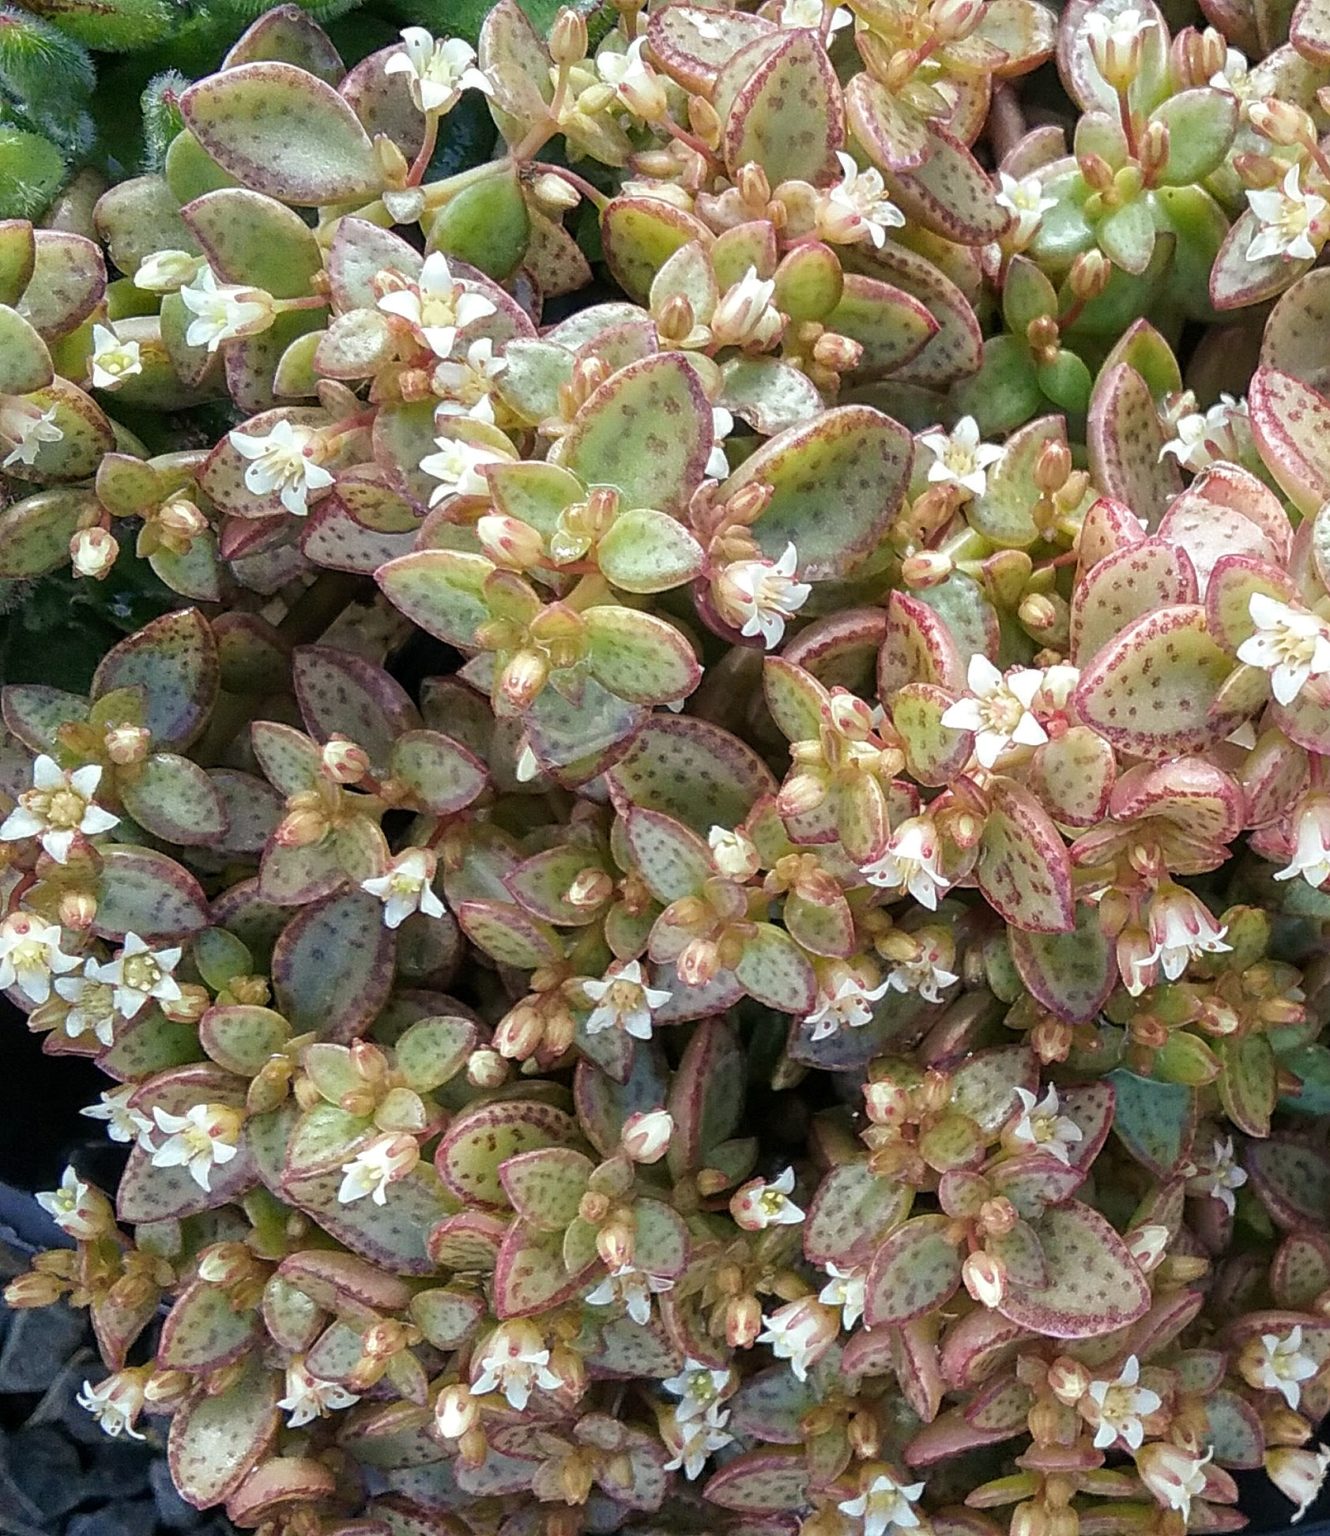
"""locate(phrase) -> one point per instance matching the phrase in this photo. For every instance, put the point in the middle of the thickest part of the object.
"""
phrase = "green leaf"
(35, 531)
(174, 660)
(434, 1050)
(67, 283)
(1127, 236)
(174, 799)
(913, 1273)
(851, 1212)
(283, 132)
(672, 860)
(25, 364)
(638, 657)
(486, 224)
(204, 1330)
(241, 1038)
(215, 1440)
(1155, 1121)
(254, 241)
(332, 966)
(484, 1137)
(545, 1186)
(441, 590)
(774, 970)
(1072, 973)
(441, 773)
(146, 893)
(787, 115)
(1201, 124)
(1094, 1284)
(646, 551)
(691, 770)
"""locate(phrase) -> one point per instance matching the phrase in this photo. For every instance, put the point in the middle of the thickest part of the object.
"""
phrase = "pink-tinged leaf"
(788, 115)
(949, 192)
(890, 325)
(34, 713)
(331, 1279)
(332, 966)
(916, 1363)
(1024, 869)
(913, 1273)
(174, 799)
(1001, 1407)
(67, 284)
(934, 753)
(1095, 1286)
(893, 137)
(759, 1482)
(251, 240)
(836, 484)
(215, 1440)
(707, 1096)
(1151, 691)
(289, 34)
(1291, 424)
(359, 252)
(772, 1404)
(1072, 775)
(691, 770)
(1236, 282)
(1289, 340)
(983, 1085)
(1300, 1271)
(204, 1330)
(509, 935)
(775, 971)
(1234, 1431)
(604, 1104)
(640, 234)
(383, 102)
(946, 1437)
(1125, 441)
(35, 531)
(1071, 974)
(170, 1194)
(344, 695)
(1248, 1085)
(530, 1276)
(691, 43)
(146, 893)
(976, 1345)
(174, 661)
(1192, 793)
(1235, 579)
(1138, 580)
(955, 350)
(281, 1481)
(332, 538)
(1238, 490)
(851, 1212)
(467, 1241)
(672, 860)
(1209, 531)
(480, 1139)
(1090, 1106)
(918, 647)
(545, 1186)
(1108, 527)
(393, 1235)
(284, 132)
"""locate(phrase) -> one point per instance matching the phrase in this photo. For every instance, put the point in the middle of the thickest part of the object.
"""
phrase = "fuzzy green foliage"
(699, 843)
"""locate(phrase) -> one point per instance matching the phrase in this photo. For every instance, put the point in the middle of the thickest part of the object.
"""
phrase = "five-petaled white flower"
(1118, 1408)
(1289, 643)
(116, 1402)
(844, 1289)
(406, 887)
(201, 1139)
(635, 84)
(92, 1009)
(998, 710)
(1220, 1176)
(224, 311)
(1292, 220)
(29, 434)
(437, 305)
(1040, 1128)
(745, 314)
(882, 1503)
(760, 595)
(1311, 843)
(515, 1362)
(139, 974)
(845, 1008)
(124, 1123)
(1277, 1362)
(456, 466)
(801, 1332)
(168, 271)
(1174, 1476)
(623, 1000)
(1181, 929)
(1203, 438)
(284, 459)
(694, 1439)
(928, 971)
(438, 70)
(308, 1397)
(632, 1289)
(698, 1388)
(1027, 200)
(467, 384)
(385, 1160)
(112, 361)
(912, 859)
(758, 1205)
(810, 14)
(959, 458)
(1299, 1473)
(58, 807)
(30, 954)
(857, 207)
(1233, 79)
(1116, 42)
(75, 1207)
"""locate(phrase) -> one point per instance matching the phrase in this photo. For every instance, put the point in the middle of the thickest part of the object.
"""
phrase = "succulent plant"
(711, 912)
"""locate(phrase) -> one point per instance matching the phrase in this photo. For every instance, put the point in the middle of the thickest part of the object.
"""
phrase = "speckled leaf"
(948, 192)
(67, 284)
(215, 1440)
(647, 551)
(1155, 1121)
(1293, 1182)
(1071, 974)
(763, 1481)
(332, 966)
(918, 646)
(893, 136)
(1138, 580)
(913, 1273)
(288, 34)
(1151, 690)
(692, 42)
(174, 799)
(204, 1330)
(35, 531)
(1024, 869)
(284, 132)
(672, 860)
(546, 1185)
(1125, 442)
(481, 1138)
(440, 590)
(707, 1097)
(851, 1212)
(1291, 424)
(241, 1038)
(1072, 775)
(890, 325)
(392, 1235)
(647, 431)
(170, 1194)
(640, 234)
(146, 893)
(359, 252)
(1236, 282)
(836, 482)
(34, 713)
(788, 115)
(441, 773)
(1003, 513)
(1094, 1287)
(604, 1104)
(86, 434)
(342, 694)
(25, 364)
(174, 660)
(1248, 1087)
(254, 241)
(509, 935)
(18, 253)
(691, 770)
(934, 753)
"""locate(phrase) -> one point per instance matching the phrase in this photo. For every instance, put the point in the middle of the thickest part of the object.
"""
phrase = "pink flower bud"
(93, 552)
(985, 1278)
(1298, 1474)
(646, 1135)
(344, 761)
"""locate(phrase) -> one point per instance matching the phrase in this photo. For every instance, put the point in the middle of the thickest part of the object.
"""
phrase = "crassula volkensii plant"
(707, 913)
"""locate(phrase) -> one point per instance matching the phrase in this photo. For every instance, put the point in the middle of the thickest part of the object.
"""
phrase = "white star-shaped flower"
(801, 1332)
(74, 1208)
(139, 974)
(884, 1503)
(224, 311)
(58, 807)
(438, 70)
(30, 955)
(761, 595)
(758, 1205)
(1278, 1362)
(385, 1160)
(1289, 643)
(33, 430)
(1040, 1128)
(309, 1398)
(630, 1288)
(438, 305)
(515, 1362)
(848, 1007)
(1311, 844)
(284, 459)
(203, 1138)
(694, 1439)
(858, 208)
(623, 1000)
(959, 458)
(116, 1402)
(998, 710)
(457, 467)
(1292, 220)
(927, 973)
(406, 887)
(124, 1123)
(698, 1388)
(845, 1289)
(1220, 1177)
(1118, 1407)
(1027, 201)
(112, 361)
(912, 861)
(467, 384)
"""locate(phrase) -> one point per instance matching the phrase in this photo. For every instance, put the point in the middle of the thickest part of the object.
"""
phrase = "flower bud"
(127, 744)
(615, 1241)
(1282, 122)
(485, 1068)
(1052, 1040)
(677, 319)
(1052, 465)
(1068, 1380)
(1089, 275)
(344, 761)
(954, 20)
(522, 680)
(509, 542)
(554, 195)
(568, 37)
(193, 1002)
(837, 353)
(887, 1103)
(455, 1412)
(743, 1321)
(1096, 172)
(646, 1135)
(985, 1278)
(77, 910)
(928, 568)
(590, 889)
(34, 1290)
(93, 552)
(733, 853)
(1147, 1245)
(704, 121)
(1152, 152)
(1298, 1474)
(998, 1216)
(1282, 1426)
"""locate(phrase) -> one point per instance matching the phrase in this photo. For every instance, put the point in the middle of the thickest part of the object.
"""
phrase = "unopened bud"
(704, 121)
(1152, 152)
(677, 318)
(568, 37)
(34, 1290)
(754, 188)
(838, 353)
(985, 1278)
(1258, 172)
(646, 1135)
(1282, 1426)
(1052, 466)
(954, 20)
(92, 552)
(485, 1068)
(1089, 275)
(743, 1321)
(1096, 172)
(455, 1412)
(1068, 1380)
(615, 1242)
(77, 909)
(344, 761)
(887, 1103)
(554, 195)
(509, 542)
(523, 678)
(193, 1002)
(127, 744)
(998, 1216)
(1038, 613)
(928, 568)
(1147, 1245)
(1282, 122)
